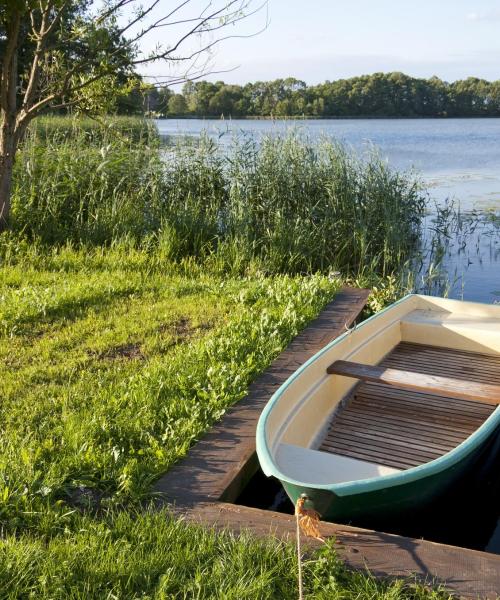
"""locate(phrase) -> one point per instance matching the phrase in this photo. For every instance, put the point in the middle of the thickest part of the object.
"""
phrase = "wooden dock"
(204, 486)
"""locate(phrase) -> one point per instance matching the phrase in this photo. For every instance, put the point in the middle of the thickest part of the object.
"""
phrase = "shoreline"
(316, 118)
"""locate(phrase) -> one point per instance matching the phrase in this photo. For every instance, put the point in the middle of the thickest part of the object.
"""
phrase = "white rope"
(299, 557)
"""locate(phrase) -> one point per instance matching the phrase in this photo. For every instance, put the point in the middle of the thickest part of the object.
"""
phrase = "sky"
(316, 40)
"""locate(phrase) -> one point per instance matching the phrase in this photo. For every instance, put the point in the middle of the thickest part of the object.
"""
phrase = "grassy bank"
(113, 369)
(150, 556)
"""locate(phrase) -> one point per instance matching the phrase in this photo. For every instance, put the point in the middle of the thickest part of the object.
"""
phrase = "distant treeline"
(377, 95)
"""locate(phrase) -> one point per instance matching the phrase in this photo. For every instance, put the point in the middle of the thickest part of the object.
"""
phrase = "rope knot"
(308, 518)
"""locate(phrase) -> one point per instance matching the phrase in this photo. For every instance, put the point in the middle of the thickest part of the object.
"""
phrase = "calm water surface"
(458, 159)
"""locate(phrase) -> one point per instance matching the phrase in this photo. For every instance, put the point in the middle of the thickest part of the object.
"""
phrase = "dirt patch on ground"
(123, 351)
(85, 499)
(182, 330)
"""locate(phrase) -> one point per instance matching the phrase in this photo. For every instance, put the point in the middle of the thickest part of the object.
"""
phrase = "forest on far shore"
(376, 95)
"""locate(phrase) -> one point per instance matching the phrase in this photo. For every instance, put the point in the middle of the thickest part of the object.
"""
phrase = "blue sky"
(315, 40)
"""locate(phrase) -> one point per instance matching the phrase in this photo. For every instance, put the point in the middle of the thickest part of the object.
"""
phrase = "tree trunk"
(7, 154)
(8, 117)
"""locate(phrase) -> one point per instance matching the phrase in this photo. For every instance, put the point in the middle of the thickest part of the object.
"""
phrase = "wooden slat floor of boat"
(402, 428)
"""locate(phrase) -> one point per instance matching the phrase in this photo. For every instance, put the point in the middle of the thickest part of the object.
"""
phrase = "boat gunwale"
(433, 467)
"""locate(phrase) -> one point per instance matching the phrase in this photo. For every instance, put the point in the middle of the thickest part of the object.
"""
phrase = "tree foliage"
(377, 95)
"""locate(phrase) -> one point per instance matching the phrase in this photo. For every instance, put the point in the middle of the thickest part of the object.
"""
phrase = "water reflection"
(461, 254)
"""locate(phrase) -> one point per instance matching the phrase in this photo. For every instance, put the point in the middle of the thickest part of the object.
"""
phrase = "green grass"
(112, 367)
(150, 555)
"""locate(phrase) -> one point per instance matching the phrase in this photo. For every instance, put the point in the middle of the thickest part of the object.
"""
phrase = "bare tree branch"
(141, 15)
(161, 81)
(206, 48)
(197, 28)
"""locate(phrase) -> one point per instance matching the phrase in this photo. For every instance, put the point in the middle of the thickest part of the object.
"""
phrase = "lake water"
(458, 159)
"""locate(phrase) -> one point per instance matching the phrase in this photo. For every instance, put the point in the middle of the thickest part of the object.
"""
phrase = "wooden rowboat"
(387, 417)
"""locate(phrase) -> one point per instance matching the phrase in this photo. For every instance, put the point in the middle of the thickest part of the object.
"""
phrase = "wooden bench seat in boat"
(420, 382)
(406, 423)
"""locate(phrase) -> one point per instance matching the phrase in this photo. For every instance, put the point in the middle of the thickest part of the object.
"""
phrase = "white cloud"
(488, 15)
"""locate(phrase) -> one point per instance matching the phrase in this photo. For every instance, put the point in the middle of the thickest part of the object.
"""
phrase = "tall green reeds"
(95, 130)
(282, 204)
(89, 183)
(306, 206)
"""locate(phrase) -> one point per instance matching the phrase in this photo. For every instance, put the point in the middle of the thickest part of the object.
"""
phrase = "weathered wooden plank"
(447, 370)
(398, 428)
(466, 363)
(399, 436)
(370, 455)
(446, 356)
(468, 573)
(414, 347)
(367, 439)
(440, 367)
(418, 411)
(417, 402)
(384, 452)
(408, 380)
